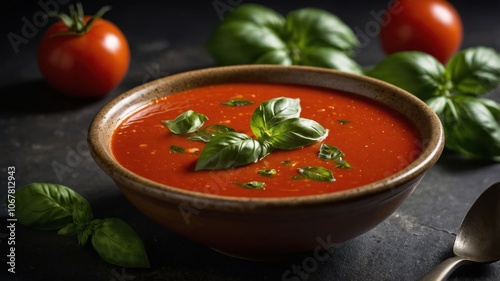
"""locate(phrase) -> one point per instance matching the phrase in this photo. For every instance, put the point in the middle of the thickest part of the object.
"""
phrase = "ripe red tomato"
(90, 64)
(431, 26)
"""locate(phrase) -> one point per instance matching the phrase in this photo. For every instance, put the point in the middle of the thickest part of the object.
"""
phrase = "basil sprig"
(275, 123)
(48, 206)
(253, 33)
(470, 122)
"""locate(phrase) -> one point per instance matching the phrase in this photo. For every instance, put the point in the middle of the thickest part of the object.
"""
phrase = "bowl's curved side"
(263, 228)
(264, 234)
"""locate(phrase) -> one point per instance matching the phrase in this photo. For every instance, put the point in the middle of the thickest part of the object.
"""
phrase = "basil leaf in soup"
(267, 172)
(177, 149)
(317, 173)
(252, 185)
(207, 133)
(237, 102)
(186, 122)
(272, 112)
(229, 150)
(295, 133)
(330, 152)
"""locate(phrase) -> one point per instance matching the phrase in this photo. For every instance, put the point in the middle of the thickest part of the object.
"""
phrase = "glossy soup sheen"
(377, 141)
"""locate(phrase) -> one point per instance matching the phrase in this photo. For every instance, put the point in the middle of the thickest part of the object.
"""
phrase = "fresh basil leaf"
(416, 72)
(82, 212)
(186, 122)
(295, 133)
(271, 112)
(329, 58)
(252, 185)
(317, 173)
(289, 163)
(207, 133)
(82, 216)
(252, 33)
(246, 34)
(492, 106)
(229, 150)
(46, 206)
(95, 224)
(280, 57)
(257, 15)
(330, 152)
(267, 172)
(117, 243)
(83, 234)
(470, 128)
(69, 229)
(474, 70)
(311, 27)
(237, 102)
(177, 149)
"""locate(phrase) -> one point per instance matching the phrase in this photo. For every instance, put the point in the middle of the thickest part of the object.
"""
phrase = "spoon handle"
(444, 269)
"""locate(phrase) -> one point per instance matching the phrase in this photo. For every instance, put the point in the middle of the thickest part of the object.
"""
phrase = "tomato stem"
(75, 20)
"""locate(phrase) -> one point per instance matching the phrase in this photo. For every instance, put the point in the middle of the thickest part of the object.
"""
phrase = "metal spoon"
(478, 239)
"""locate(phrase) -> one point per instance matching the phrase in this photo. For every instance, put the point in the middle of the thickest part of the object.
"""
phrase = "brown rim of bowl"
(432, 143)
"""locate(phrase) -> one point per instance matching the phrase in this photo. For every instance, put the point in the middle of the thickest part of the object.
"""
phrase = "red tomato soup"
(376, 141)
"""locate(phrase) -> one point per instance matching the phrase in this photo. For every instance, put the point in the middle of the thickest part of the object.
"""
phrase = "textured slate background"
(40, 129)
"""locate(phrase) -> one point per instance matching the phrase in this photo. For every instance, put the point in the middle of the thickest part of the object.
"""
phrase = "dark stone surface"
(40, 130)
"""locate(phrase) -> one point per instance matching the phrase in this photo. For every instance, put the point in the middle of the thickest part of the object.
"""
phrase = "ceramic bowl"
(254, 228)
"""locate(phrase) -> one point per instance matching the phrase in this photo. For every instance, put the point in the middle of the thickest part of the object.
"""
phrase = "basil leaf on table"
(329, 58)
(311, 27)
(295, 133)
(470, 122)
(46, 206)
(187, 122)
(229, 150)
(273, 111)
(207, 133)
(474, 70)
(246, 34)
(470, 127)
(416, 72)
(253, 33)
(117, 243)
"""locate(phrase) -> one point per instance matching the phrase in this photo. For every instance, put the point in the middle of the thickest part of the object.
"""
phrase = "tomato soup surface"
(376, 141)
